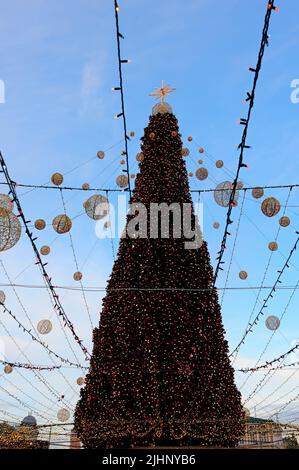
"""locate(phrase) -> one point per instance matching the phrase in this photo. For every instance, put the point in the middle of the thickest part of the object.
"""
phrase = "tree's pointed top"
(160, 94)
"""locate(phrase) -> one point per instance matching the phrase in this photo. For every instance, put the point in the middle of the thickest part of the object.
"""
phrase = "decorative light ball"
(257, 193)
(243, 275)
(8, 369)
(57, 179)
(132, 134)
(122, 181)
(273, 246)
(270, 207)
(201, 150)
(200, 162)
(174, 133)
(122, 162)
(44, 327)
(223, 192)
(80, 381)
(77, 276)
(133, 176)
(272, 322)
(202, 173)
(2, 297)
(240, 185)
(191, 174)
(40, 224)
(216, 225)
(96, 207)
(63, 415)
(152, 135)
(10, 229)
(140, 157)
(190, 138)
(100, 154)
(219, 163)
(107, 224)
(85, 186)
(6, 203)
(45, 250)
(284, 221)
(185, 152)
(62, 224)
(161, 108)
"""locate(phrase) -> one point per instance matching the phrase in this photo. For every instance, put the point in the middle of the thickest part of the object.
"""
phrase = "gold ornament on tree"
(10, 229)
(270, 207)
(40, 224)
(44, 327)
(57, 179)
(122, 181)
(77, 276)
(185, 152)
(45, 250)
(140, 157)
(273, 246)
(62, 224)
(96, 207)
(284, 221)
(202, 173)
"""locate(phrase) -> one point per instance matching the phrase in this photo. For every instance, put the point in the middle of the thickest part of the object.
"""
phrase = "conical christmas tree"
(159, 371)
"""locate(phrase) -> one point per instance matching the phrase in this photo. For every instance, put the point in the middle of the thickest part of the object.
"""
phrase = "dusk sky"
(59, 63)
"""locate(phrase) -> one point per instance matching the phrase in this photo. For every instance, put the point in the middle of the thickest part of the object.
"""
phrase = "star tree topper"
(160, 93)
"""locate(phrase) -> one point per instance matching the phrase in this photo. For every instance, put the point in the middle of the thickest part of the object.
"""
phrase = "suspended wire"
(270, 295)
(233, 248)
(57, 304)
(76, 264)
(121, 89)
(243, 145)
(271, 337)
(118, 190)
(38, 340)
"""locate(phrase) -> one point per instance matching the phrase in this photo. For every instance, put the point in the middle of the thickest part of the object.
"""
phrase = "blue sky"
(59, 63)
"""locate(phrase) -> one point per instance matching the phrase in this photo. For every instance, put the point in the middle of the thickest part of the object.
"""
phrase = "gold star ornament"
(160, 94)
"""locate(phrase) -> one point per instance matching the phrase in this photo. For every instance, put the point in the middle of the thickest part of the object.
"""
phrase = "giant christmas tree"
(159, 371)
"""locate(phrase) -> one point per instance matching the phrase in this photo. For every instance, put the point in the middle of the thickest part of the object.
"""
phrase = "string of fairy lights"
(243, 144)
(52, 288)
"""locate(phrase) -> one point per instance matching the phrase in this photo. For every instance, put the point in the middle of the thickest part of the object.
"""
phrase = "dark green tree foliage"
(160, 371)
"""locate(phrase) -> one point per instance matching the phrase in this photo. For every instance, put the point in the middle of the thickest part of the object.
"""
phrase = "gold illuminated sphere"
(57, 179)
(270, 207)
(62, 224)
